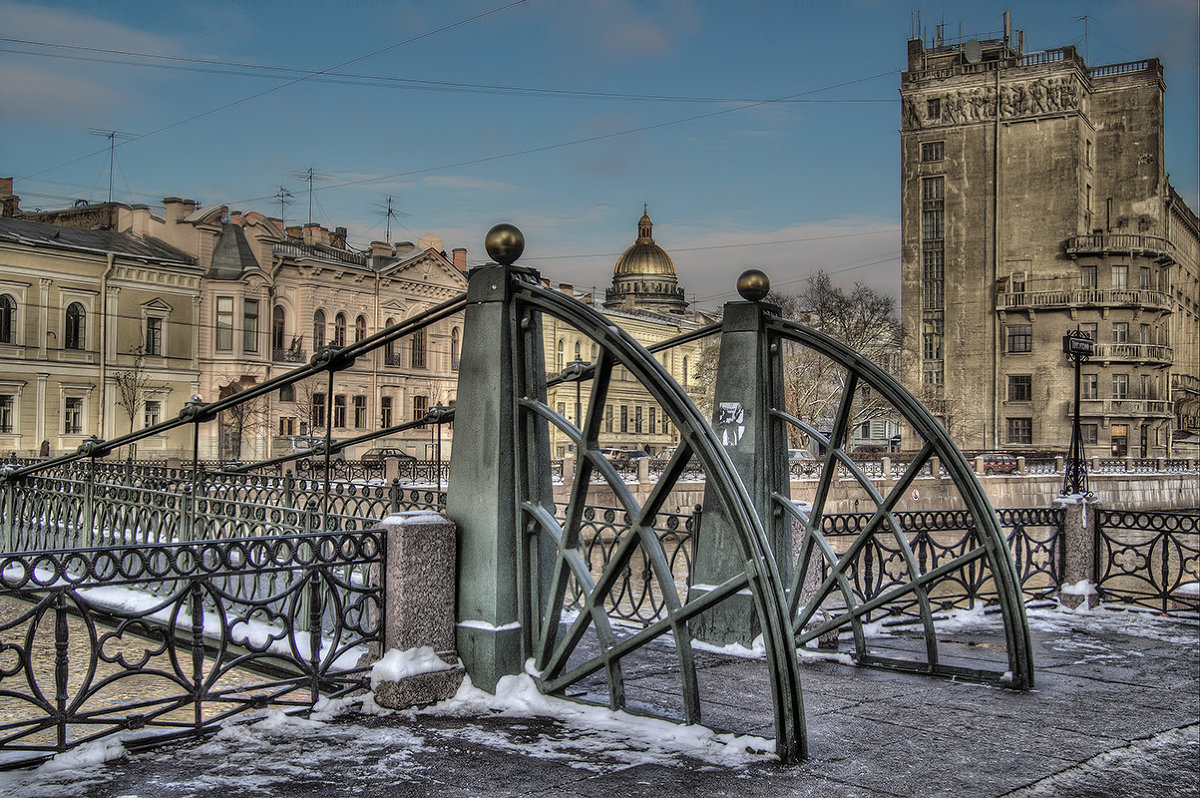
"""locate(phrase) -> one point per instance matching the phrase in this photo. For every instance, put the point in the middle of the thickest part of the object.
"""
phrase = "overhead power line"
(296, 80)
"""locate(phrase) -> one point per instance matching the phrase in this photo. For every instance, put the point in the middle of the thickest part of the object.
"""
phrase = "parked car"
(999, 463)
(380, 455)
(627, 456)
(800, 455)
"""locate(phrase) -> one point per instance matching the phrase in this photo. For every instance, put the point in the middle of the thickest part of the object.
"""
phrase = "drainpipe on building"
(996, 331)
(112, 260)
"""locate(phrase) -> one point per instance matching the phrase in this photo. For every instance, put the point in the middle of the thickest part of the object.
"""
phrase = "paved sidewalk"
(1116, 712)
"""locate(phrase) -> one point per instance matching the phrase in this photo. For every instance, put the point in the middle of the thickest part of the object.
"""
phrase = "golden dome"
(644, 257)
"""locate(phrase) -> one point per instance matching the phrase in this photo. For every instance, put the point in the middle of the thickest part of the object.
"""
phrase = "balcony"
(1081, 297)
(1157, 247)
(289, 356)
(393, 359)
(1122, 408)
(1185, 383)
(1152, 354)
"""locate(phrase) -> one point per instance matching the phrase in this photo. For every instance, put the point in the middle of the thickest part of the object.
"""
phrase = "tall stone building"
(1035, 203)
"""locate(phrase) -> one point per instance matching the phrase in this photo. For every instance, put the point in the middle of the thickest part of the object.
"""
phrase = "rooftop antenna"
(309, 175)
(112, 136)
(1086, 59)
(388, 212)
(284, 196)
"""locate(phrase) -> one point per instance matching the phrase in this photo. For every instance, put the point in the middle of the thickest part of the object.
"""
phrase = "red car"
(999, 463)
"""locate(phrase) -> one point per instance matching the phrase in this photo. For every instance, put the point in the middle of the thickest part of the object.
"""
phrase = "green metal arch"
(761, 578)
(994, 547)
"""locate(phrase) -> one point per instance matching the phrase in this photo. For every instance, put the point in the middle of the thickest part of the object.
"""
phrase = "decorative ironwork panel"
(159, 640)
(1149, 558)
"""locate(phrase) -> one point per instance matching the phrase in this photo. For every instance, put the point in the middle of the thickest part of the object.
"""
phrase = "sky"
(759, 134)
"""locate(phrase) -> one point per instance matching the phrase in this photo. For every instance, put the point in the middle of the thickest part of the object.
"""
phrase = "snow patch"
(397, 665)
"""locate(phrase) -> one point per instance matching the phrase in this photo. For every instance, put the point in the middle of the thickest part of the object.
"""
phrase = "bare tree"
(241, 421)
(863, 319)
(133, 385)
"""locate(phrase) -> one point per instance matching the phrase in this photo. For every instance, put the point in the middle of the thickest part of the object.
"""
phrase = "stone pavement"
(1116, 712)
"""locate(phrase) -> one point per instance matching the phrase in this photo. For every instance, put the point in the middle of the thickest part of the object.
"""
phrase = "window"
(1089, 434)
(72, 415)
(1017, 281)
(562, 349)
(1089, 329)
(455, 347)
(933, 151)
(653, 420)
(637, 419)
(339, 330)
(420, 405)
(8, 319)
(1087, 207)
(1144, 334)
(417, 349)
(933, 273)
(7, 402)
(1020, 388)
(1120, 332)
(608, 418)
(1144, 278)
(1087, 276)
(339, 410)
(75, 336)
(153, 411)
(1020, 430)
(1087, 152)
(250, 325)
(319, 329)
(1120, 277)
(385, 411)
(360, 412)
(1120, 384)
(224, 323)
(578, 350)
(287, 393)
(287, 425)
(153, 343)
(1147, 390)
(1020, 337)
(685, 372)
(360, 328)
(932, 339)
(933, 375)
(389, 349)
(933, 109)
(624, 418)
(1089, 386)
(318, 410)
(277, 330)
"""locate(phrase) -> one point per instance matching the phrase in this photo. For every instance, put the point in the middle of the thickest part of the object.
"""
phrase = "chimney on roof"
(316, 235)
(236, 218)
(338, 240)
(293, 231)
(459, 258)
(175, 210)
(381, 249)
(566, 288)
(9, 202)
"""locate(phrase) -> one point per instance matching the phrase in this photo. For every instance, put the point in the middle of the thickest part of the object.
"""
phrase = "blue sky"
(760, 133)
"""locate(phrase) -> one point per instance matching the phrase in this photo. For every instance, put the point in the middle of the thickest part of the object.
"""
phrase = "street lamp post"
(1078, 348)
(435, 416)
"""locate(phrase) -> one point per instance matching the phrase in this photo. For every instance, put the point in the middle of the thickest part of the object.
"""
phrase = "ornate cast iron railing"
(1151, 559)
(162, 640)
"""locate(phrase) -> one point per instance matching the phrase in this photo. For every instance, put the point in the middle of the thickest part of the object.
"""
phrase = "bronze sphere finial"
(753, 285)
(504, 243)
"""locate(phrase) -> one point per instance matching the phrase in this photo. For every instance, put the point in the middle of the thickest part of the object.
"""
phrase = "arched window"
(8, 319)
(562, 349)
(593, 353)
(360, 328)
(318, 329)
(389, 349)
(76, 332)
(685, 372)
(578, 350)
(278, 336)
(455, 346)
(339, 329)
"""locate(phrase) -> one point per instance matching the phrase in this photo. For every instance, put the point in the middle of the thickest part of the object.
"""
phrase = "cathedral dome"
(644, 257)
